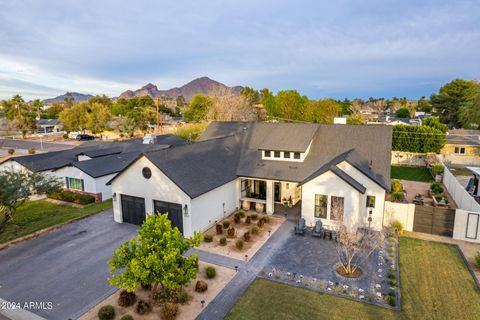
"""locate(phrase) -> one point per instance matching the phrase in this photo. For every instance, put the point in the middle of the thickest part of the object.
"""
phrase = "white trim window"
(321, 206)
(75, 184)
(459, 150)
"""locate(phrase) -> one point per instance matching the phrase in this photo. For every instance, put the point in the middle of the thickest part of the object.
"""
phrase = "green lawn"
(36, 215)
(411, 173)
(435, 284)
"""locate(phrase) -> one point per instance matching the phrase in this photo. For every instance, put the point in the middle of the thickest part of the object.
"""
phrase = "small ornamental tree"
(17, 187)
(354, 246)
(155, 257)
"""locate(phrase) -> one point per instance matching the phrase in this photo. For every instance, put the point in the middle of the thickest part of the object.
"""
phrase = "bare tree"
(228, 106)
(354, 246)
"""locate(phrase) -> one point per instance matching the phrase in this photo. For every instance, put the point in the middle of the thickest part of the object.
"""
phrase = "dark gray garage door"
(174, 212)
(133, 209)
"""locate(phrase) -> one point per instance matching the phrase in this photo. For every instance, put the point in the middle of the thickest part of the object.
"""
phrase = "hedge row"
(74, 197)
(420, 139)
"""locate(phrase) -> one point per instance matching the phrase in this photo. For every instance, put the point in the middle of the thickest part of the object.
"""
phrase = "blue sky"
(341, 48)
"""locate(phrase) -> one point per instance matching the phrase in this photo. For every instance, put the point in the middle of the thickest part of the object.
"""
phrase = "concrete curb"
(18, 314)
(469, 267)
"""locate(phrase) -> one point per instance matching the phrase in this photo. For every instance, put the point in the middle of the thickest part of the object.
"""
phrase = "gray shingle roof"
(463, 137)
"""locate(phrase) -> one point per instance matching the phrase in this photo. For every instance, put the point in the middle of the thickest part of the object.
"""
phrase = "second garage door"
(174, 212)
(133, 209)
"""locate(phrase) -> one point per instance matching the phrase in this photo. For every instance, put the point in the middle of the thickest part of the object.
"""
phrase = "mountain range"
(201, 85)
(77, 97)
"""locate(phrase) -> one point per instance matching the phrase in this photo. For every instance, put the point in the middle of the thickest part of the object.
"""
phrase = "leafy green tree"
(98, 117)
(75, 118)
(449, 99)
(321, 111)
(290, 104)
(347, 107)
(191, 131)
(155, 257)
(181, 102)
(18, 112)
(470, 108)
(267, 99)
(119, 108)
(53, 111)
(355, 118)
(198, 108)
(252, 95)
(420, 139)
(103, 100)
(435, 123)
(402, 113)
(17, 187)
(69, 99)
(424, 105)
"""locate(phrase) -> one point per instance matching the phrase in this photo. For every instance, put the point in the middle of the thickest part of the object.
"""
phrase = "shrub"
(226, 223)
(65, 136)
(438, 168)
(239, 244)
(181, 296)
(397, 227)
(392, 283)
(11, 151)
(242, 214)
(254, 216)
(74, 197)
(106, 313)
(436, 188)
(146, 286)
(260, 223)
(248, 219)
(210, 272)
(169, 311)
(391, 276)
(237, 218)
(126, 317)
(31, 151)
(398, 196)
(223, 241)
(143, 307)
(246, 236)
(126, 299)
(391, 292)
(219, 228)
(208, 238)
(231, 232)
(255, 230)
(390, 300)
(477, 259)
(396, 186)
(201, 286)
(266, 218)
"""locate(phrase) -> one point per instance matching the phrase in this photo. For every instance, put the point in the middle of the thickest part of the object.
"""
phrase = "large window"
(286, 155)
(75, 184)
(336, 208)
(296, 155)
(321, 201)
(276, 154)
(267, 153)
(370, 201)
(459, 150)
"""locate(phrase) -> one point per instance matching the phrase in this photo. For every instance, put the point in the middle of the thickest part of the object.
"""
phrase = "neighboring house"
(462, 147)
(48, 126)
(393, 121)
(336, 173)
(88, 167)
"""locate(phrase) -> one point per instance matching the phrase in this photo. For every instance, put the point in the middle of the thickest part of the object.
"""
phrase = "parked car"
(84, 137)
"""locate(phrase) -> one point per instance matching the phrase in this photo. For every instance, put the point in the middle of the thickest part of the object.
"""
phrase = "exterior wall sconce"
(114, 196)
(369, 218)
(185, 210)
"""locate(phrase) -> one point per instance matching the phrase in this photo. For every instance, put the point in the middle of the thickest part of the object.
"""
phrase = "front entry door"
(277, 197)
(174, 212)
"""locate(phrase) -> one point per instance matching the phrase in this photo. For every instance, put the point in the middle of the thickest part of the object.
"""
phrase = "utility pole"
(158, 114)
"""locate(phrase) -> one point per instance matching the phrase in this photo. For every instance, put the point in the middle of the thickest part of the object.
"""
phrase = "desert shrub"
(106, 313)
(201, 286)
(65, 136)
(397, 227)
(390, 300)
(246, 236)
(126, 299)
(11, 151)
(248, 220)
(436, 188)
(239, 244)
(255, 230)
(219, 228)
(397, 186)
(398, 196)
(226, 224)
(242, 214)
(143, 307)
(169, 311)
(438, 168)
(181, 296)
(74, 197)
(211, 272)
(223, 241)
(477, 259)
(208, 238)
(126, 317)
(266, 218)
(254, 216)
(260, 223)
(231, 232)
(31, 151)
(237, 218)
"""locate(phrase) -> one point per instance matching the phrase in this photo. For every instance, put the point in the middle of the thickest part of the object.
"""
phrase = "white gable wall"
(13, 166)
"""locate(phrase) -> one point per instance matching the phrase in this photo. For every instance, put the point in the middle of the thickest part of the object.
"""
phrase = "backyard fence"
(403, 212)
(463, 199)
(461, 160)
(402, 158)
(467, 225)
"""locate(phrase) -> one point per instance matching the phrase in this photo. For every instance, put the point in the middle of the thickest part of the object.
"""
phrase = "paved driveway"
(67, 267)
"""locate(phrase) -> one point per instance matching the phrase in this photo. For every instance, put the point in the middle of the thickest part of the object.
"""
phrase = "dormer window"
(296, 155)
(286, 155)
(268, 153)
(276, 154)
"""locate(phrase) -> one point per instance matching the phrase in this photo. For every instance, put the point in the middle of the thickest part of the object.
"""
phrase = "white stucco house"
(87, 168)
(336, 173)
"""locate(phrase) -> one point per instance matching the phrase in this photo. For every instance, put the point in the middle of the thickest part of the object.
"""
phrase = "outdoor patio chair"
(317, 231)
(300, 227)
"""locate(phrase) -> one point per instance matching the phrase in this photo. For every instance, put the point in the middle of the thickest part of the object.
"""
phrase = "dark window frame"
(296, 155)
(461, 149)
(370, 203)
(321, 206)
(276, 154)
(286, 154)
(267, 153)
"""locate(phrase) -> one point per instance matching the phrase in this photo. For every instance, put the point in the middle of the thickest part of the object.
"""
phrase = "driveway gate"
(434, 220)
